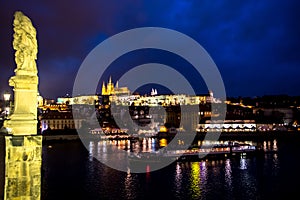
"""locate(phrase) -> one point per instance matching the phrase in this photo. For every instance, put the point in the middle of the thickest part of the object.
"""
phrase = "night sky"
(255, 44)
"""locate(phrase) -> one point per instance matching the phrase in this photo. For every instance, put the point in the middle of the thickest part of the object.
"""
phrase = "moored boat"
(204, 152)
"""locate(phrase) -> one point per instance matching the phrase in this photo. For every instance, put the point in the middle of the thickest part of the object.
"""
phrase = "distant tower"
(211, 93)
(152, 92)
(109, 89)
(103, 92)
(211, 96)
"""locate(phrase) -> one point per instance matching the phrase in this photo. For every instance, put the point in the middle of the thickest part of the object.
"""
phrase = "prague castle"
(110, 89)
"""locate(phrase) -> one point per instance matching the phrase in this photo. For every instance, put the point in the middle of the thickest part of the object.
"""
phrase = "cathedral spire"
(110, 87)
(103, 89)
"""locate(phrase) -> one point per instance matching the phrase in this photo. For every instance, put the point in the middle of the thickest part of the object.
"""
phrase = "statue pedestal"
(16, 127)
(23, 121)
(23, 162)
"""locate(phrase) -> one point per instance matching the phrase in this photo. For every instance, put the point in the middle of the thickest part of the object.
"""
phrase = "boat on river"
(195, 153)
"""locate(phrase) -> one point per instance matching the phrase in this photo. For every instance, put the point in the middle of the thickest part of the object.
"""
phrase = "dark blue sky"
(255, 44)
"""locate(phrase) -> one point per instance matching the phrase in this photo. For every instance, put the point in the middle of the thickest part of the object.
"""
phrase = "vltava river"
(71, 171)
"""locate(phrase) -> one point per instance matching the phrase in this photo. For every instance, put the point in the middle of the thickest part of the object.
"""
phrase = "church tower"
(108, 89)
(103, 92)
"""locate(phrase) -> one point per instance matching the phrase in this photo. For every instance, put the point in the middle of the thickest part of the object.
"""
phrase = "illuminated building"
(55, 107)
(227, 126)
(110, 89)
(55, 120)
(80, 99)
(40, 100)
(165, 109)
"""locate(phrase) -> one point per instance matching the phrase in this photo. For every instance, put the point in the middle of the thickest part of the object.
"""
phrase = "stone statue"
(25, 44)
(23, 120)
(23, 147)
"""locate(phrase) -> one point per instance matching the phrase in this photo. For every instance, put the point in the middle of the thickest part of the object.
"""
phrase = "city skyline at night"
(172, 99)
(254, 45)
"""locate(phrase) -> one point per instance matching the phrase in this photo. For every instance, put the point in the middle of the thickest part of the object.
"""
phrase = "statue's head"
(21, 19)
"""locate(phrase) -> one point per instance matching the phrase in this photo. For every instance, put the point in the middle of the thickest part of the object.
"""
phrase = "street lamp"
(6, 97)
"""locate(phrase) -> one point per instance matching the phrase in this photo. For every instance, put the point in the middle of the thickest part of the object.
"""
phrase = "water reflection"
(91, 149)
(195, 180)
(110, 152)
(106, 150)
(130, 188)
(275, 145)
(269, 146)
(228, 178)
(247, 181)
(178, 178)
(228, 171)
(203, 175)
(243, 163)
(275, 164)
(265, 148)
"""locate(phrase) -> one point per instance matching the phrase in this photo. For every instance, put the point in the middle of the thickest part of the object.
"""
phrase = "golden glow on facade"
(111, 89)
(163, 142)
(163, 129)
(108, 89)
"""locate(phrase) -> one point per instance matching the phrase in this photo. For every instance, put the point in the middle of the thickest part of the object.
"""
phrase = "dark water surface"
(71, 172)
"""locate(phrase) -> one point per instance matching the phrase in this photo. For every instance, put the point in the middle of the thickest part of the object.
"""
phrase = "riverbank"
(60, 137)
(198, 136)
